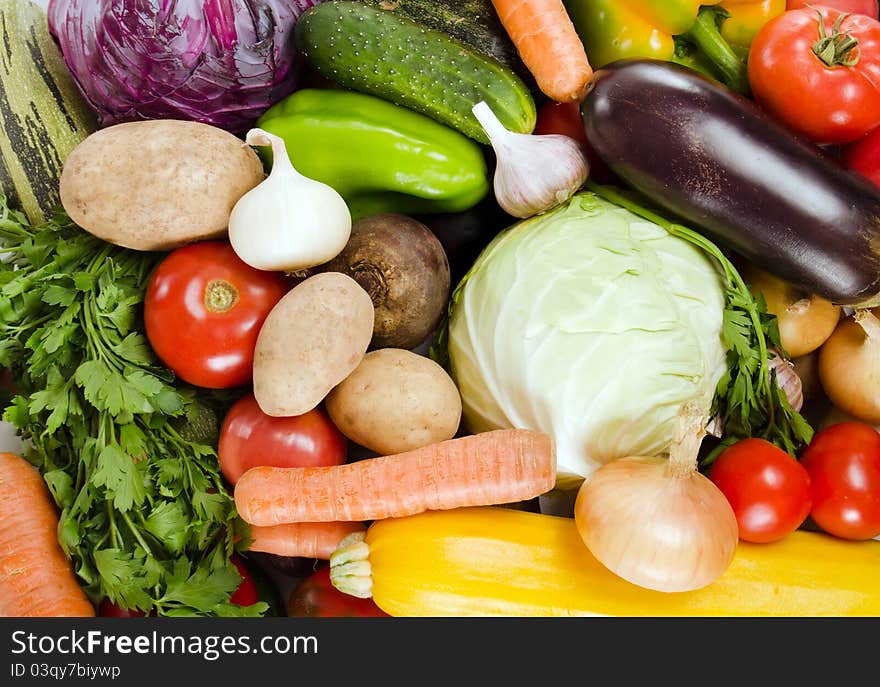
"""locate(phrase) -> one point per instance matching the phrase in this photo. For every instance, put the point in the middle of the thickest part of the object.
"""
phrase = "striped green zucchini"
(42, 115)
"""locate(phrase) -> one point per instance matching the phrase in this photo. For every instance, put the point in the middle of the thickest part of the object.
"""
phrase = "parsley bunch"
(748, 400)
(145, 515)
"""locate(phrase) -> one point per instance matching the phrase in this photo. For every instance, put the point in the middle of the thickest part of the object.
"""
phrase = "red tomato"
(246, 594)
(768, 490)
(565, 119)
(821, 99)
(863, 156)
(108, 609)
(203, 310)
(561, 118)
(867, 7)
(844, 465)
(316, 597)
(250, 438)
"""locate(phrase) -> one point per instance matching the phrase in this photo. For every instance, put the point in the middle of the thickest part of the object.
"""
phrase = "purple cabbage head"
(222, 62)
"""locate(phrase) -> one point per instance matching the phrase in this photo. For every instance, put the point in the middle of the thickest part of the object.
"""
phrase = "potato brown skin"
(313, 338)
(157, 185)
(396, 401)
(404, 268)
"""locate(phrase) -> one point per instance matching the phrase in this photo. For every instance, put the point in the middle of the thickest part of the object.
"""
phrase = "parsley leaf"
(146, 518)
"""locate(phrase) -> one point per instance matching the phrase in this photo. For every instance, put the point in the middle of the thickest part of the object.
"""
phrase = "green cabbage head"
(592, 325)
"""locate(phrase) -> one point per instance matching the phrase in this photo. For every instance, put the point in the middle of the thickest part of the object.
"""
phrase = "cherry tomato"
(203, 311)
(768, 489)
(834, 98)
(316, 597)
(250, 438)
(863, 156)
(565, 119)
(844, 465)
(867, 7)
(246, 593)
(108, 609)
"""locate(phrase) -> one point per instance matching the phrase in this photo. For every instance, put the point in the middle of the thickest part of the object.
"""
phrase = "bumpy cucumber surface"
(378, 52)
(474, 22)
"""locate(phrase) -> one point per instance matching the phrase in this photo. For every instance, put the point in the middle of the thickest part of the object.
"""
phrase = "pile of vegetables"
(353, 294)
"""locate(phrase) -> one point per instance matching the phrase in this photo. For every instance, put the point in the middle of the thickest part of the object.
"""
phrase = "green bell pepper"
(379, 157)
(683, 31)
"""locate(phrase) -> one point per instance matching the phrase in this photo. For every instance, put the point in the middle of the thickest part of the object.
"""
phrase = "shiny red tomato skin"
(827, 105)
(844, 465)
(767, 488)
(866, 7)
(316, 597)
(863, 156)
(246, 593)
(561, 118)
(250, 438)
(204, 346)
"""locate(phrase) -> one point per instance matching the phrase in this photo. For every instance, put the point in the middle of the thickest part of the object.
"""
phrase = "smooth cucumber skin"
(715, 159)
(378, 52)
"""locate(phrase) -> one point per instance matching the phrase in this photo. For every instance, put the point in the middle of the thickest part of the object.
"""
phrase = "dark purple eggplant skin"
(718, 162)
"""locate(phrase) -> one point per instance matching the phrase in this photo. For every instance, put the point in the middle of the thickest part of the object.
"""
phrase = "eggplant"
(714, 159)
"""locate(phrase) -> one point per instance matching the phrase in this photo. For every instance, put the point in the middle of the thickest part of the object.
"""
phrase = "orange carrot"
(484, 469)
(36, 578)
(305, 539)
(549, 46)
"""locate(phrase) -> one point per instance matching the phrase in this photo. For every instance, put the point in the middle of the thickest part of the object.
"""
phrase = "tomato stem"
(839, 48)
(220, 296)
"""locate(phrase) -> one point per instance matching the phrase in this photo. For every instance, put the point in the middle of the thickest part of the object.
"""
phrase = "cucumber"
(381, 53)
(474, 22)
(42, 115)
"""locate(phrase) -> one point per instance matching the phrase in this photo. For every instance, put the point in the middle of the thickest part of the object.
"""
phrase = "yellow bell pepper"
(493, 561)
(683, 31)
(746, 17)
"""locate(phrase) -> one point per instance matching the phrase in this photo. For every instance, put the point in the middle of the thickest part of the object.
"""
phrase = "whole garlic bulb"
(534, 173)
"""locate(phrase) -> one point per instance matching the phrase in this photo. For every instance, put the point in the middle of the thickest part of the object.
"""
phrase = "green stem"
(692, 62)
(114, 533)
(136, 533)
(705, 34)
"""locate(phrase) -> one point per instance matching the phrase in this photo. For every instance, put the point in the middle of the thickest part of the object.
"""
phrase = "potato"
(159, 184)
(395, 401)
(312, 339)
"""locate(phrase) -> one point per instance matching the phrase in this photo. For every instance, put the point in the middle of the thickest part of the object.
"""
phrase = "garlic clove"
(534, 173)
(288, 222)
(788, 380)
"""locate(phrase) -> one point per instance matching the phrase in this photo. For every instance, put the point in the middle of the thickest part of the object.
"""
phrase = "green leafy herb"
(748, 399)
(145, 515)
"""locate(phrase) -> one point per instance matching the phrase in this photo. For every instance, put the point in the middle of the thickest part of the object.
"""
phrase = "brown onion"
(659, 523)
(805, 320)
(849, 366)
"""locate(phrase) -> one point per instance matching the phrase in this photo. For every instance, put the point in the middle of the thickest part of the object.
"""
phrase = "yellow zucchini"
(492, 561)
